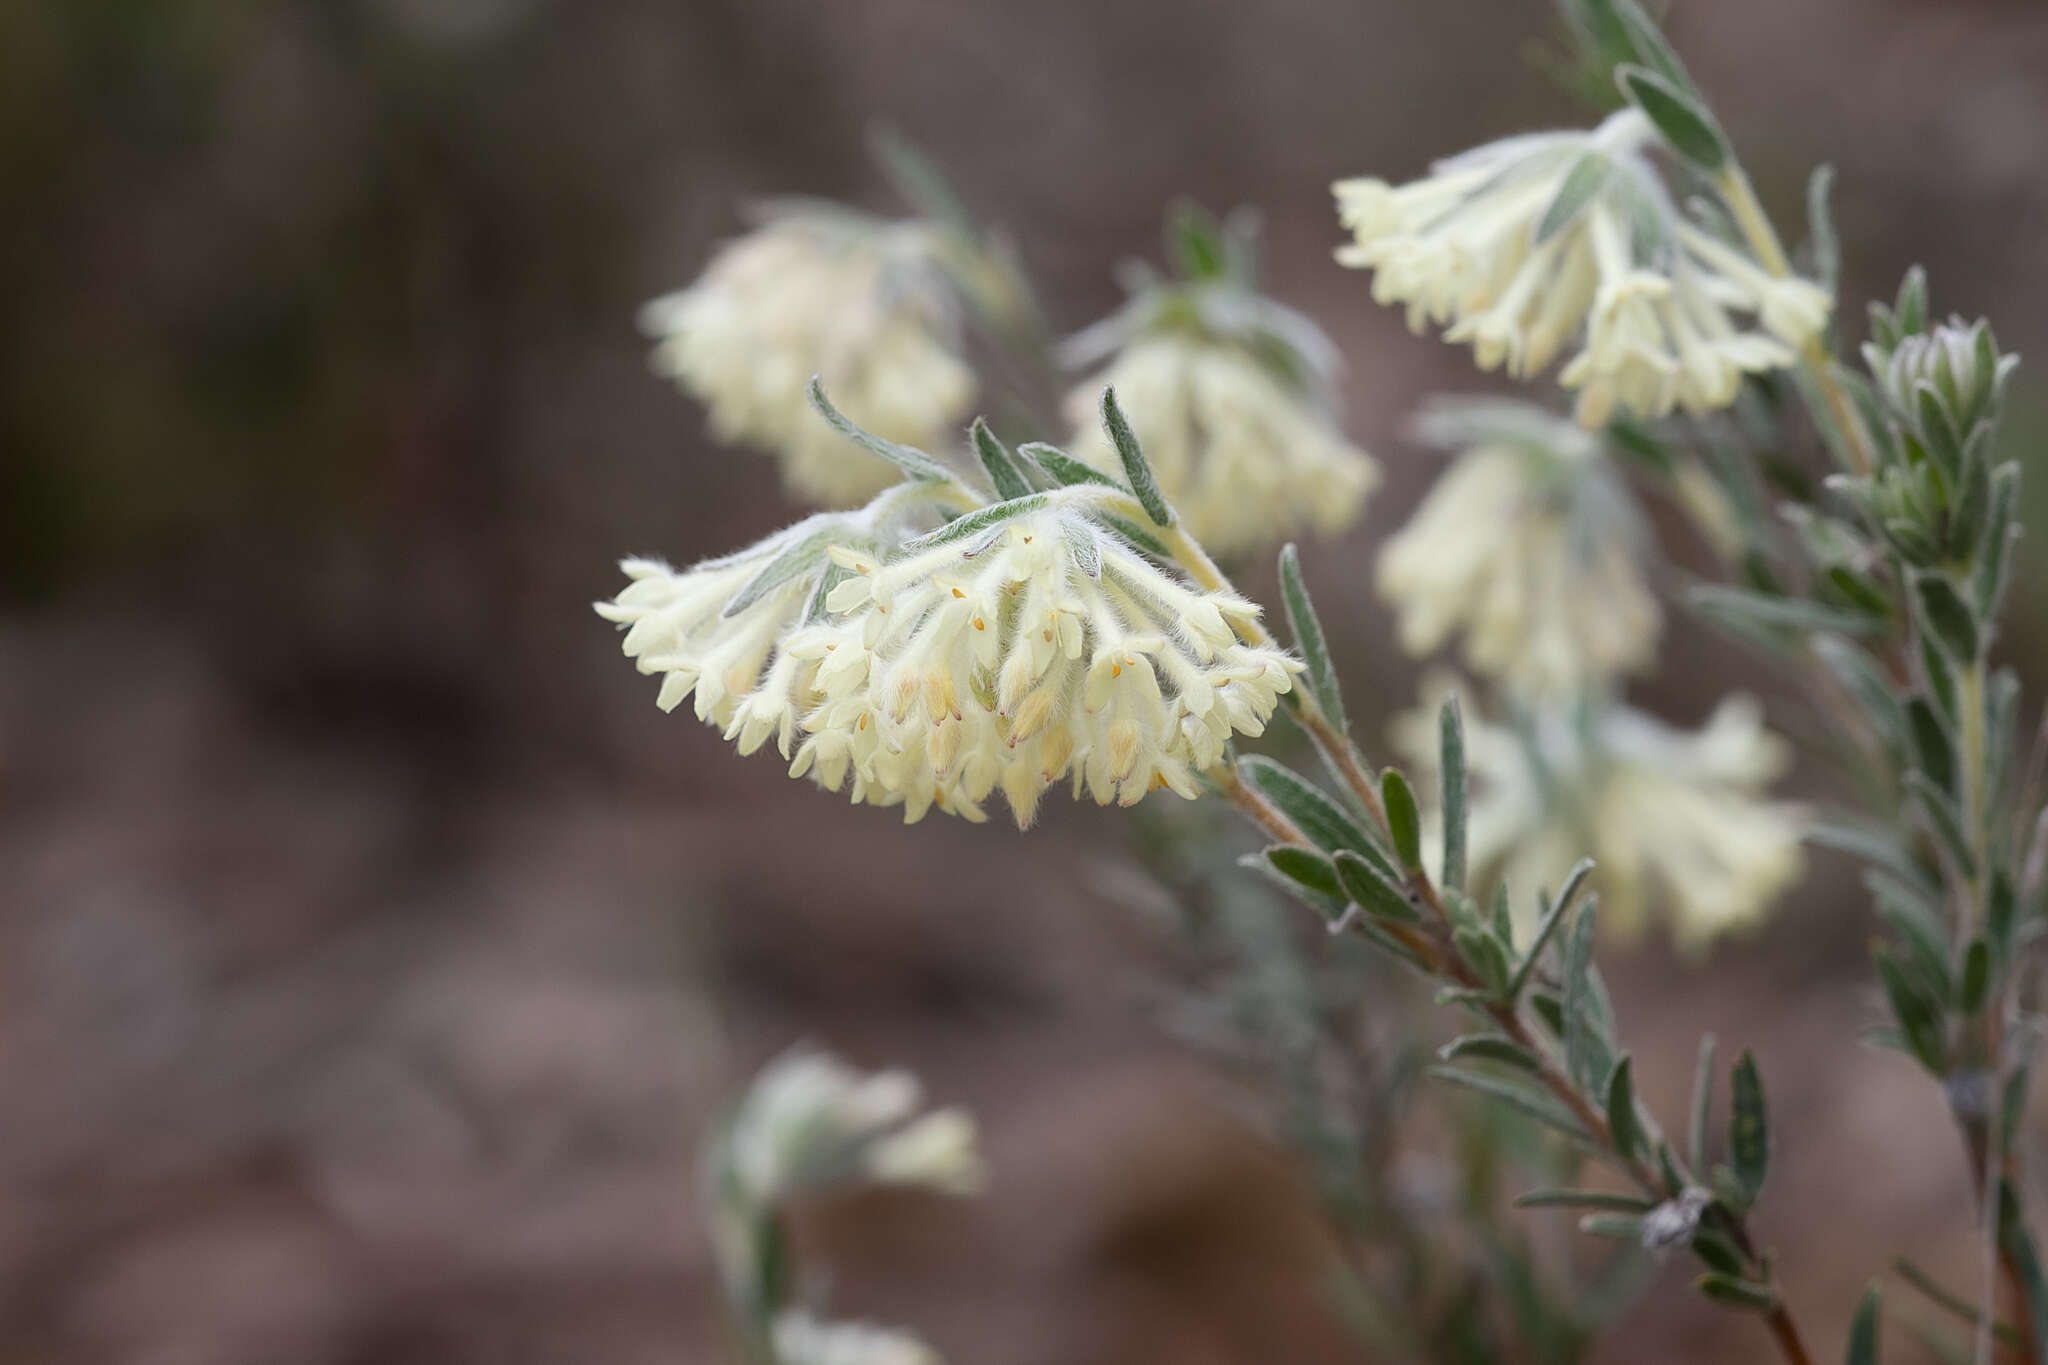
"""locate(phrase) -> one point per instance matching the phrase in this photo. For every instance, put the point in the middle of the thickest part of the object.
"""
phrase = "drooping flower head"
(1531, 545)
(1676, 821)
(1232, 393)
(1050, 635)
(1529, 245)
(821, 290)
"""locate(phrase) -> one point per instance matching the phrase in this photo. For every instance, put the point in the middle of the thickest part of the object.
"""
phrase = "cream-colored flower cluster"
(1531, 244)
(1673, 819)
(1245, 457)
(1531, 546)
(811, 1121)
(1000, 654)
(821, 291)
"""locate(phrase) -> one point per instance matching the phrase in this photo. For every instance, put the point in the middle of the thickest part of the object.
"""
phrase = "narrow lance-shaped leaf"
(1137, 471)
(1621, 1109)
(1518, 1095)
(1064, 467)
(1488, 1047)
(1369, 889)
(1603, 1200)
(1749, 1133)
(1863, 1330)
(1404, 821)
(1949, 619)
(1820, 220)
(1307, 868)
(919, 466)
(1919, 1019)
(1682, 120)
(2020, 1253)
(975, 522)
(799, 559)
(1317, 816)
(1736, 1292)
(1003, 473)
(1975, 982)
(1546, 926)
(1584, 180)
(1451, 724)
(1309, 638)
(1578, 966)
(1702, 1103)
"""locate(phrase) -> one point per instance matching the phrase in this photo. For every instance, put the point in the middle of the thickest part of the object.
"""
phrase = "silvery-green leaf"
(1602, 1200)
(1994, 546)
(1749, 1132)
(1863, 1330)
(1309, 869)
(973, 523)
(1137, 471)
(1003, 473)
(799, 559)
(1761, 617)
(1309, 639)
(1944, 819)
(1451, 755)
(1702, 1103)
(1934, 753)
(1621, 1109)
(1820, 226)
(1736, 1292)
(1520, 1095)
(1064, 467)
(913, 462)
(1546, 925)
(1404, 821)
(1313, 813)
(1488, 1047)
(2018, 1246)
(1578, 966)
(1919, 1018)
(1587, 177)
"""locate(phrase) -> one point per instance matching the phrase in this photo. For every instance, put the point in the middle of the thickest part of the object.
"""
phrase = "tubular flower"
(1673, 819)
(717, 629)
(1527, 245)
(820, 291)
(1015, 654)
(1531, 546)
(1245, 457)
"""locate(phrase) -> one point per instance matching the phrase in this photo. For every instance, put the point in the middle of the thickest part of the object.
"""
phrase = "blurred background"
(374, 952)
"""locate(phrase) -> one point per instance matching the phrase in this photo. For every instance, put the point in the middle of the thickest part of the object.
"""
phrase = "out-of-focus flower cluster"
(811, 1123)
(820, 290)
(1233, 394)
(1526, 246)
(1531, 547)
(1676, 821)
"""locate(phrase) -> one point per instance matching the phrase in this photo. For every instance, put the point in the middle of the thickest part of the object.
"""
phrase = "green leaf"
(1749, 1132)
(1911, 309)
(1863, 1348)
(2026, 1264)
(1650, 43)
(1976, 977)
(1305, 867)
(974, 523)
(1488, 1047)
(1947, 1299)
(1736, 1292)
(1994, 553)
(1933, 752)
(1137, 472)
(1944, 819)
(1064, 467)
(1717, 1252)
(1702, 1103)
(1309, 639)
(1404, 822)
(1762, 616)
(1820, 226)
(1919, 1018)
(1920, 933)
(1619, 1227)
(1547, 926)
(1484, 954)
(1194, 241)
(1621, 1109)
(1682, 120)
(799, 559)
(1008, 480)
(1578, 966)
(1316, 815)
(1603, 1200)
(1133, 534)
(1581, 183)
(919, 466)
(918, 179)
(1451, 728)
(1368, 888)
(1949, 619)
(1518, 1095)
(1867, 683)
